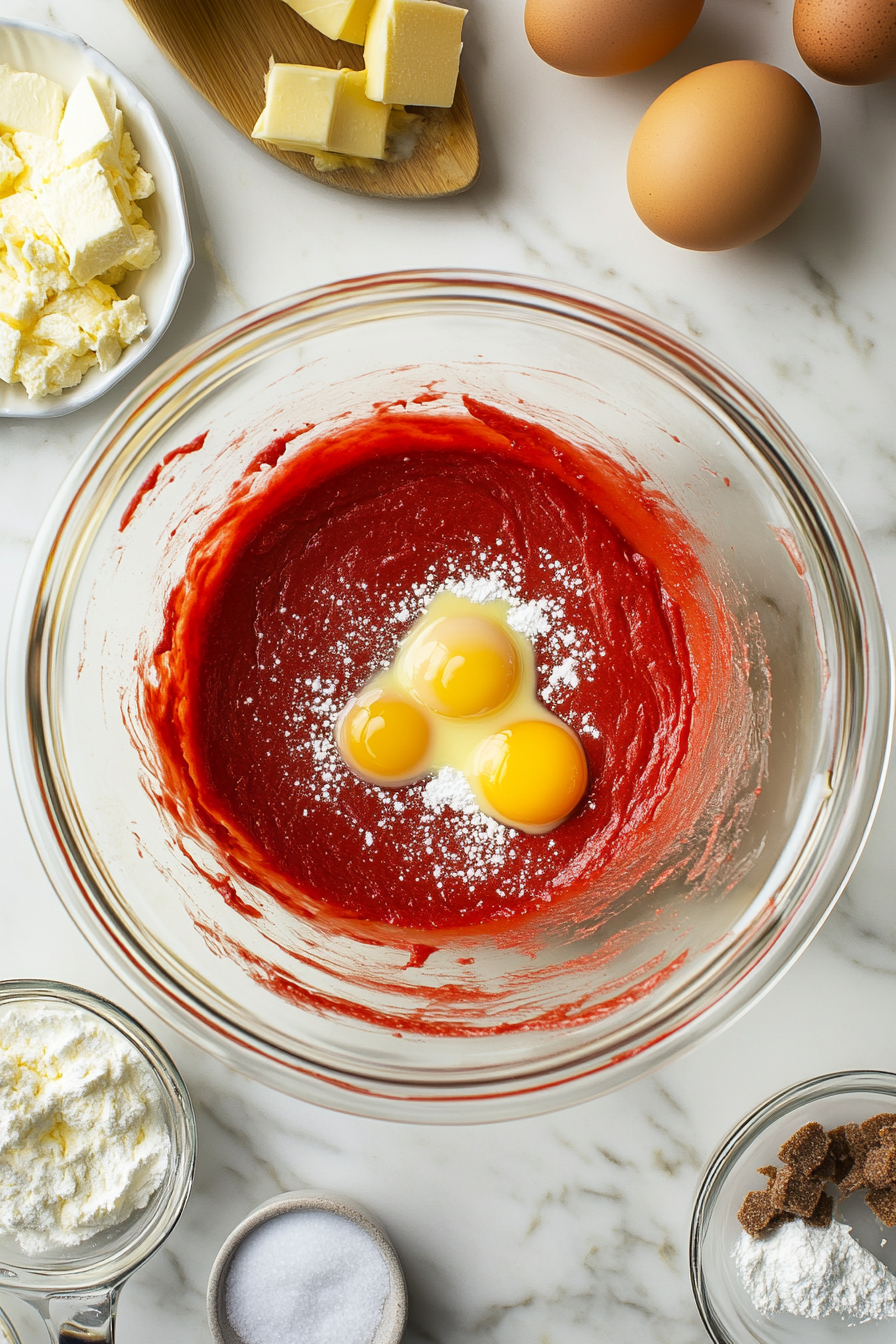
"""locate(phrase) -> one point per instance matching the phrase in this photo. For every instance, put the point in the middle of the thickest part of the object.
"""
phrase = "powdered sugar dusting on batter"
(461, 841)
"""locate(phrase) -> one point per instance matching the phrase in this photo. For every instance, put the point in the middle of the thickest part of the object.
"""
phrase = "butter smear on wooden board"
(70, 230)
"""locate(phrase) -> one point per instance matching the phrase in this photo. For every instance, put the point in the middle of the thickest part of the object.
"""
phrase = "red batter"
(287, 607)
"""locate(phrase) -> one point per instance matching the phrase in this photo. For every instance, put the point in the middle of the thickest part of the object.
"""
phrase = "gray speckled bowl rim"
(391, 1326)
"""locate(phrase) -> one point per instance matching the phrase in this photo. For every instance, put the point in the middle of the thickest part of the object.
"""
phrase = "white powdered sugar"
(453, 838)
(814, 1272)
(83, 1141)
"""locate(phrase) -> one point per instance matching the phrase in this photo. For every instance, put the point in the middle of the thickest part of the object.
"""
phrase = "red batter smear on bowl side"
(299, 590)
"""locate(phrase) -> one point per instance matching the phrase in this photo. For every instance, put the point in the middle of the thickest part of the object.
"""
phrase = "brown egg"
(847, 41)
(607, 37)
(724, 155)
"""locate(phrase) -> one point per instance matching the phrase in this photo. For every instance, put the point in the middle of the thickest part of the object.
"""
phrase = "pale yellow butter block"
(87, 129)
(84, 210)
(345, 20)
(412, 52)
(10, 164)
(299, 104)
(359, 125)
(312, 110)
(29, 103)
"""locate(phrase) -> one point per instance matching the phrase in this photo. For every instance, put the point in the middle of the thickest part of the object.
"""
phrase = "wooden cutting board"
(223, 48)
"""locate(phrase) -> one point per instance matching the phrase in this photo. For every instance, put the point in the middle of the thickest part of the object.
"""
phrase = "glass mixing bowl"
(507, 1029)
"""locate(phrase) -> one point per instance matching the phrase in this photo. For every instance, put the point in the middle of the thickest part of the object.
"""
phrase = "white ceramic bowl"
(395, 1310)
(65, 58)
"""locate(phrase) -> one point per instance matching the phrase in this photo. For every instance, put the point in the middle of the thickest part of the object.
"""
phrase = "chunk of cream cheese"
(70, 230)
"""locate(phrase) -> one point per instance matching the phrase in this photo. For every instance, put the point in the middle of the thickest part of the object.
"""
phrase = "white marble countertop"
(571, 1227)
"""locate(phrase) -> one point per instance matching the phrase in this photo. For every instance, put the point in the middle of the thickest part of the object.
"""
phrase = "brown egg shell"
(724, 155)
(607, 37)
(847, 41)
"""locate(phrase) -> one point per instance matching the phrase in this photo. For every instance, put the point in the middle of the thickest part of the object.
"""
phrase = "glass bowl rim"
(503, 1093)
(99, 1271)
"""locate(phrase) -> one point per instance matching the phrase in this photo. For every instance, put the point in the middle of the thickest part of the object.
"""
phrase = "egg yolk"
(533, 773)
(462, 666)
(383, 737)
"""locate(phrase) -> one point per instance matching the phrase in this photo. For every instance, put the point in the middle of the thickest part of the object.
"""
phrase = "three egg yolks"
(461, 691)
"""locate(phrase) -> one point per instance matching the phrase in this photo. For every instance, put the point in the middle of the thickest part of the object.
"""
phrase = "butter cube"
(412, 52)
(87, 129)
(314, 110)
(359, 125)
(299, 104)
(341, 19)
(29, 103)
(84, 210)
(10, 164)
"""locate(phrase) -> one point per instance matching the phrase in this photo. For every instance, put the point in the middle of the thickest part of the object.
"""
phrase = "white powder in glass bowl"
(83, 1141)
(814, 1272)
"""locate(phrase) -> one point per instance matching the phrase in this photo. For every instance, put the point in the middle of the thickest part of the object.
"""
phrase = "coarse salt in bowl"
(308, 1261)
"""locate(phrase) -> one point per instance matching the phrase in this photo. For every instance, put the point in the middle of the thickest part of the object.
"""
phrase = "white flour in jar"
(814, 1272)
(83, 1141)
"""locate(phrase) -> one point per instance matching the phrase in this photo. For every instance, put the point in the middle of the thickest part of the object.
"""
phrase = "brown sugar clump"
(757, 1212)
(824, 1211)
(853, 1157)
(880, 1165)
(795, 1192)
(876, 1125)
(859, 1145)
(806, 1149)
(883, 1204)
(840, 1152)
(827, 1170)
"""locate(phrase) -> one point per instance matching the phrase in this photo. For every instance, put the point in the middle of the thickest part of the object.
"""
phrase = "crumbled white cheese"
(70, 230)
(83, 1140)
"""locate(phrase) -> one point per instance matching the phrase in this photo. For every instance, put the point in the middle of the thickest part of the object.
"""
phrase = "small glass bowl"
(75, 1288)
(723, 1302)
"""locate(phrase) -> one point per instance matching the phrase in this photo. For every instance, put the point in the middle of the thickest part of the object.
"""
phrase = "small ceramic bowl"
(724, 1304)
(64, 58)
(392, 1323)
